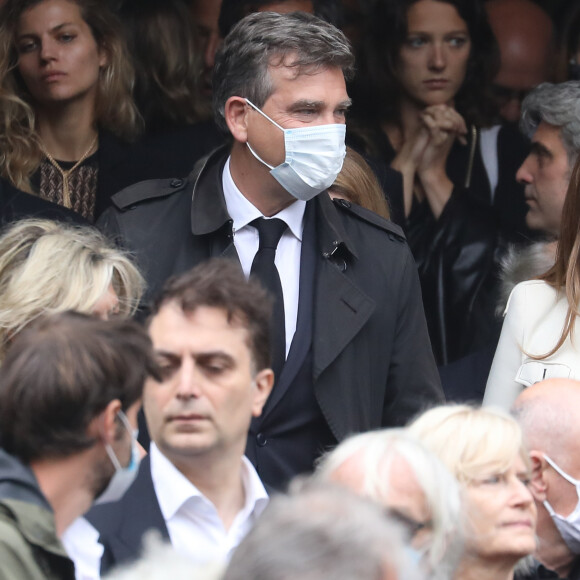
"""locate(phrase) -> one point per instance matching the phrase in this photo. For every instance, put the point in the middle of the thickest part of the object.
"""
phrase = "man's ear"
(538, 484)
(264, 382)
(105, 426)
(235, 112)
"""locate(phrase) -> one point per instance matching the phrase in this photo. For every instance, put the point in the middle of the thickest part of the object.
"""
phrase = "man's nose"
(188, 381)
(524, 174)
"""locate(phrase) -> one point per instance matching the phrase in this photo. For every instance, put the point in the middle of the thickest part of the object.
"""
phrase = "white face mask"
(314, 157)
(123, 476)
(569, 526)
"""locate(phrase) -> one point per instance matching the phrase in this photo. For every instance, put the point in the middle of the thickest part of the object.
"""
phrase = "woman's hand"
(444, 125)
(409, 158)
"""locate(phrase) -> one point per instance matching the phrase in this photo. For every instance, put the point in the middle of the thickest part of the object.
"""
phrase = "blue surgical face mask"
(568, 526)
(314, 157)
(123, 476)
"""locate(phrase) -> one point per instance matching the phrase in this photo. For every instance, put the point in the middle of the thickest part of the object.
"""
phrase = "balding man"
(548, 413)
(524, 32)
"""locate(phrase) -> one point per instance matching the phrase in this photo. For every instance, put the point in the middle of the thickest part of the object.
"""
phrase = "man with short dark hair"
(350, 345)
(71, 388)
(211, 331)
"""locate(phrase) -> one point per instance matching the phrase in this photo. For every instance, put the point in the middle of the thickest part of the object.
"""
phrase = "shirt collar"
(173, 489)
(256, 494)
(242, 211)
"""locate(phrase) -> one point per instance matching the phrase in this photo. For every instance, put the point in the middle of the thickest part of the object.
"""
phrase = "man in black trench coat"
(358, 355)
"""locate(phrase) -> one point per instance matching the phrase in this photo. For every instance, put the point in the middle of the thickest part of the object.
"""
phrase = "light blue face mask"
(568, 526)
(123, 476)
(314, 157)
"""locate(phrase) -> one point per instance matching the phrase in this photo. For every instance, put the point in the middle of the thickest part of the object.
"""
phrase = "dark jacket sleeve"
(413, 381)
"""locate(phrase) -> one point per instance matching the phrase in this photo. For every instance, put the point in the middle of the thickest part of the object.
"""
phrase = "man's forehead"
(547, 133)
(287, 66)
(173, 314)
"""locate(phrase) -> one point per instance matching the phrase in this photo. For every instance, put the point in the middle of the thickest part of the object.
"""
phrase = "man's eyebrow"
(306, 103)
(166, 353)
(214, 354)
(310, 104)
(538, 148)
(205, 355)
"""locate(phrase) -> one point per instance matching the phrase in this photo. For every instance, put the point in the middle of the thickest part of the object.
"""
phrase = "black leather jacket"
(456, 259)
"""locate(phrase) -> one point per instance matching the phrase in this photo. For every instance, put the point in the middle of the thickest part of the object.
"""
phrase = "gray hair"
(377, 451)
(319, 532)
(557, 105)
(264, 39)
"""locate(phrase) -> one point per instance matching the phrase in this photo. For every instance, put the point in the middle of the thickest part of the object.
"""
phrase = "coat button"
(261, 440)
(176, 182)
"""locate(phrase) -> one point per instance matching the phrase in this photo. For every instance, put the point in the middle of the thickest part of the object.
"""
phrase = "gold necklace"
(66, 173)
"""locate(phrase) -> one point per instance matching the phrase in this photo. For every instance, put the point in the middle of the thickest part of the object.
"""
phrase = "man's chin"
(192, 444)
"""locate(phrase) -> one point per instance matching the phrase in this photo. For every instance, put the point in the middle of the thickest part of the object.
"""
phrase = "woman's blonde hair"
(20, 152)
(357, 183)
(48, 267)
(471, 441)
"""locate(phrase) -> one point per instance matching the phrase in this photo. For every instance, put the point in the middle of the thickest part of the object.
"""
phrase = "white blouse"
(534, 320)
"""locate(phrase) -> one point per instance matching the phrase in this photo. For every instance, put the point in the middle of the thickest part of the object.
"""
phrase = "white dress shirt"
(193, 523)
(488, 145)
(81, 541)
(246, 241)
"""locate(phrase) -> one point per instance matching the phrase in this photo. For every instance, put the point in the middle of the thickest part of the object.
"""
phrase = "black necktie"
(264, 268)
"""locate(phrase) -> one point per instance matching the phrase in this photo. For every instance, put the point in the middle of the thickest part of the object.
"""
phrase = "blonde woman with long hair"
(65, 100)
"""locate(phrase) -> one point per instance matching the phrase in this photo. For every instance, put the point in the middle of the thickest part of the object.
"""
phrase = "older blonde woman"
(484, 449)
(47, 266)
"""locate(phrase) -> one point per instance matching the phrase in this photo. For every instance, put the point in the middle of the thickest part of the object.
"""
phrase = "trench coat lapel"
(341, 308)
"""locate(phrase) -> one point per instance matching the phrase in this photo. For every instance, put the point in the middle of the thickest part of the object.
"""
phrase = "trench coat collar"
(209, 212)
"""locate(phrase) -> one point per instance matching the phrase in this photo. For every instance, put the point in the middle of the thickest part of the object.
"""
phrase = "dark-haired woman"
(424, 87)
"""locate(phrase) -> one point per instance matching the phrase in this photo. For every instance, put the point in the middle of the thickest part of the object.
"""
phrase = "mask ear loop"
(263, 114)
(270, 167)
(112, 456)
(567, 477)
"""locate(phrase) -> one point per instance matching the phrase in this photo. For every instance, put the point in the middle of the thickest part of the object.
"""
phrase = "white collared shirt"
(193, 523)
(81, 541)
(246, 241)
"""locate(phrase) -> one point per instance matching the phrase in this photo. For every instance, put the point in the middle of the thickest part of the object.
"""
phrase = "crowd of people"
(289, 288)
